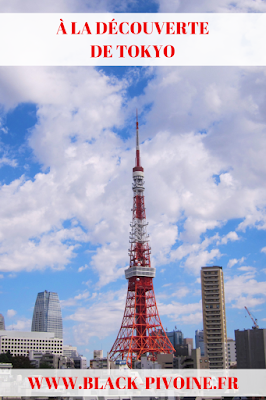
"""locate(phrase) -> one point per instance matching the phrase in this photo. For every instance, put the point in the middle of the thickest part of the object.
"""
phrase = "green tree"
(6, 357)
(45, 365)
(21, 362)
(16, 361)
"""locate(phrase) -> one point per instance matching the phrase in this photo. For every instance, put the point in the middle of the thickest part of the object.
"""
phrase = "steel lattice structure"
(141, 331)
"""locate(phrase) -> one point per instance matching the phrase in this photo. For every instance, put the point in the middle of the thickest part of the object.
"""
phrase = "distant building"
(2, 323)
(54, 361)
(70, 351)
(188, 341)
(47, 316)
(97, 354)
(204, 363)
(214, 320)
(101, 362)
(121, 364)
(80, 362)
(231, 351)
(146, 363)
(35, 358)
(251, 348)
(186, 357)
(176, 337)
(165, 360)
(183, 350)
(6, 367)
(21, 343)
(199, 340)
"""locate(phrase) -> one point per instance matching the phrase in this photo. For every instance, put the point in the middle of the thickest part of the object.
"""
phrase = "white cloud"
(76, 188)
(83, 268)
(204, 6)
(180, 293)
(65, 6)
(235, 261)
(75, 300)
(171, 6)
(7, 161)
(247, 269)
(196, 254)
(22, 324)
(232, 262)
(183, 313)
(204, 165)
(230, 236)
(201, 259)
(263, 250)
(101, 319)
(48, 251)
(11, 313)
(244, 290)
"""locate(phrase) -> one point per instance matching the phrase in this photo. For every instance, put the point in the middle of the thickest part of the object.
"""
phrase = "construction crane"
(255, 326)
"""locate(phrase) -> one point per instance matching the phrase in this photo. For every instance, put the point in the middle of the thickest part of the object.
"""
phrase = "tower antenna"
(137, 141)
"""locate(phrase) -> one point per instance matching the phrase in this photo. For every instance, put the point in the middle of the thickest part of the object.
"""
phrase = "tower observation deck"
(141, 331)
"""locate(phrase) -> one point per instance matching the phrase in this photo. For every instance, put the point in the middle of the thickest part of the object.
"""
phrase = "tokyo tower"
(141, 331)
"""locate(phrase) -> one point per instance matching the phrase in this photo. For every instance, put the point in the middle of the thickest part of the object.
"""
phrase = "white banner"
(129, 383)
(132, 39)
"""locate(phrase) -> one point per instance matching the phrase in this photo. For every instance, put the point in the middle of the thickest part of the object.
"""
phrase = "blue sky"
(66, 157)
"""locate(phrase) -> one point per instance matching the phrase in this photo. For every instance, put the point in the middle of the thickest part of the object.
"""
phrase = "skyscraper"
(199, 340)
(47, 315)
(214, 320)
(2, 323)
(176, 337)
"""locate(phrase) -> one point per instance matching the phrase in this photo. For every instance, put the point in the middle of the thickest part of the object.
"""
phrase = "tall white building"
(21, 343)
(47, 316)
(214, 320)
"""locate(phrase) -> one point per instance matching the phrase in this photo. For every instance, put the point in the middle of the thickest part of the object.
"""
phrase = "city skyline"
(67, 142)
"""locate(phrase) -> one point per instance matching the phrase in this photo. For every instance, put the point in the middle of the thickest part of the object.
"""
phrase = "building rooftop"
(33, 335)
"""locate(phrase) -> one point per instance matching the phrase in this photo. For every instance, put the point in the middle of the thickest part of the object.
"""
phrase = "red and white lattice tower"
(141, 331)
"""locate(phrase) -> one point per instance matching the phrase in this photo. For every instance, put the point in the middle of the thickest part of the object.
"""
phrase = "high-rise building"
(176, 337)
(251, 348)
(214, 320)
(2, 323)
(199, 340)
(47, 316)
